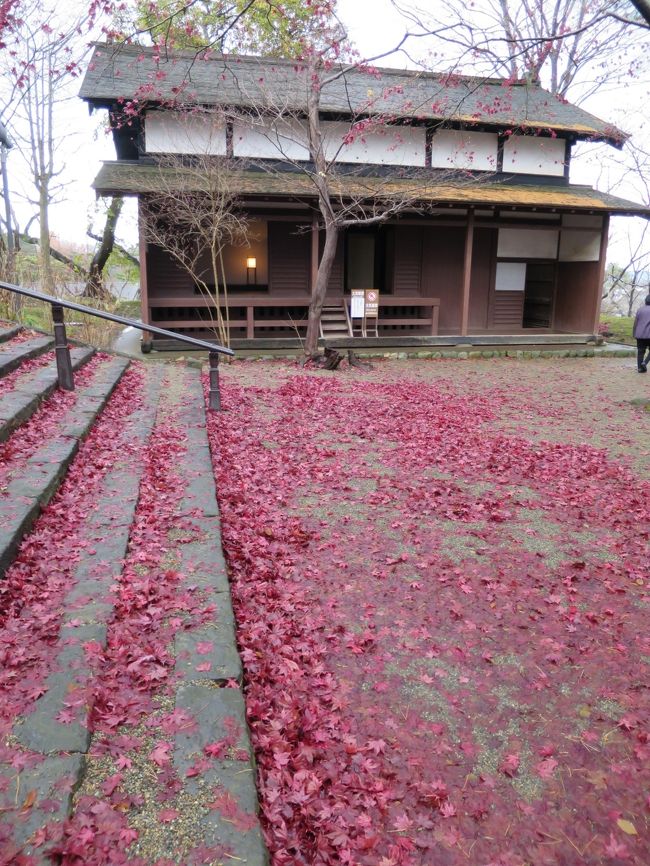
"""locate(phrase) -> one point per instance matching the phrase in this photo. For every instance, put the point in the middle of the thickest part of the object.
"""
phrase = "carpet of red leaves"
(442, 613)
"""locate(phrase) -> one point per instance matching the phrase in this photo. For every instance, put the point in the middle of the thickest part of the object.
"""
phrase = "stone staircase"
(121, 705)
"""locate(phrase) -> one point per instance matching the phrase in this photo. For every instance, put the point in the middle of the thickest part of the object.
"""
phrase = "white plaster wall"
(257, 137)
(582, 221)
(525, 154)
(578, 246)
(453, 148)
(377, 145)
(172, 132)
(510, 277)
(534, 215)
(527, 244)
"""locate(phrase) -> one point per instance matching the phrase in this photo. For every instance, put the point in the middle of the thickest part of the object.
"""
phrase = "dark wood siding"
(407, 260)
(507, 310)
(337, 276)
(166, 278)
(483, 259)
(442, 273)
(289, 257)
(576, 296)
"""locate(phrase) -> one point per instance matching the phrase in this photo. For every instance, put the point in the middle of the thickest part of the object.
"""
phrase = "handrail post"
(63, 361)
(214, 401)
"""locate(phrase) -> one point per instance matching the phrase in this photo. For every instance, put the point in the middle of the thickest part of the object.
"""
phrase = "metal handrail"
(62, 351)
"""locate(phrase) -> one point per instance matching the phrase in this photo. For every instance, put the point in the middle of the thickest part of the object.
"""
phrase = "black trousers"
(642, 346)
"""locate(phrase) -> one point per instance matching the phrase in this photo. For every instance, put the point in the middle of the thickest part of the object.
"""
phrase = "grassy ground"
(440, 577)
(621, 328)
(85, 329)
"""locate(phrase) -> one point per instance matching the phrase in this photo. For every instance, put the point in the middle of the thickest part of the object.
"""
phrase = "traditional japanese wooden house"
(494, 245)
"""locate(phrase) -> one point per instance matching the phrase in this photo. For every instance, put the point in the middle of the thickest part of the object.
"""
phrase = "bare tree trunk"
(319, 291)
(10, 261)
(631, 302)
(122, 250)
(95, 287)
(44, 252)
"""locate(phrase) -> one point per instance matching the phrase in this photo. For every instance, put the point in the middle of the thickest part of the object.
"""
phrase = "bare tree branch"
(121, 249)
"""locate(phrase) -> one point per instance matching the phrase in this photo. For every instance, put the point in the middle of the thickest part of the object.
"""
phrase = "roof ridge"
(272, 59)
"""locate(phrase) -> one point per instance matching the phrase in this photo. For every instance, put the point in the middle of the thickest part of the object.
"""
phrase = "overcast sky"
(373, 25)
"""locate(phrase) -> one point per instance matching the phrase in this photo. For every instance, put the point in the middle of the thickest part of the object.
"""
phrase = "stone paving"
(15, 353)
(61, 768)
(31, 389)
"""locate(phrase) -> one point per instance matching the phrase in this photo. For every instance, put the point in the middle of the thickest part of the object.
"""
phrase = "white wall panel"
(531, 215)
(377, 145)
(451, 148)
(174, 132)
(577, 246)
(526, 154)
(261, 138)
(510, 277)
(582, 221)
(527, 244)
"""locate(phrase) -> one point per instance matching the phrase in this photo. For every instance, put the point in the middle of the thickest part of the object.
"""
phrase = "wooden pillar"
(214, 396)
(435, 316)
(314, 251)
(602, 260)
(62, 350)
(467, 272)
(144, 290)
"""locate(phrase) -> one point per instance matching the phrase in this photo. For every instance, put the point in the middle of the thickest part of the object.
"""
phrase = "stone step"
(8, 331)
(17, 405)
(215, 809)
(13, 355)
(88, 605)
(25, 495)
(57, 751)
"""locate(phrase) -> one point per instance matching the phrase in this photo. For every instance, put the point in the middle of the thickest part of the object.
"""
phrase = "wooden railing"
(251, 302)
(62, 350)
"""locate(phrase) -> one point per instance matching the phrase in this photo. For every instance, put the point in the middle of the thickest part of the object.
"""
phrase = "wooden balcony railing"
(429, 307)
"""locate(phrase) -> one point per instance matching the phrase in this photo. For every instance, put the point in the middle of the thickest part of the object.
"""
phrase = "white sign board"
(358, 304)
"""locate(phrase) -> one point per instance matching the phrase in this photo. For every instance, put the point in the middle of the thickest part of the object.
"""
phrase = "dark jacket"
(642, 322)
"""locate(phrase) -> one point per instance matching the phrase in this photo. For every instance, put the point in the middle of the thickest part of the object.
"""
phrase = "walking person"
(641, 333)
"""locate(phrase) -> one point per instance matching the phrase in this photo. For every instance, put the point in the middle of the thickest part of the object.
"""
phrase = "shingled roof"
(127, 72)
(122, 178)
